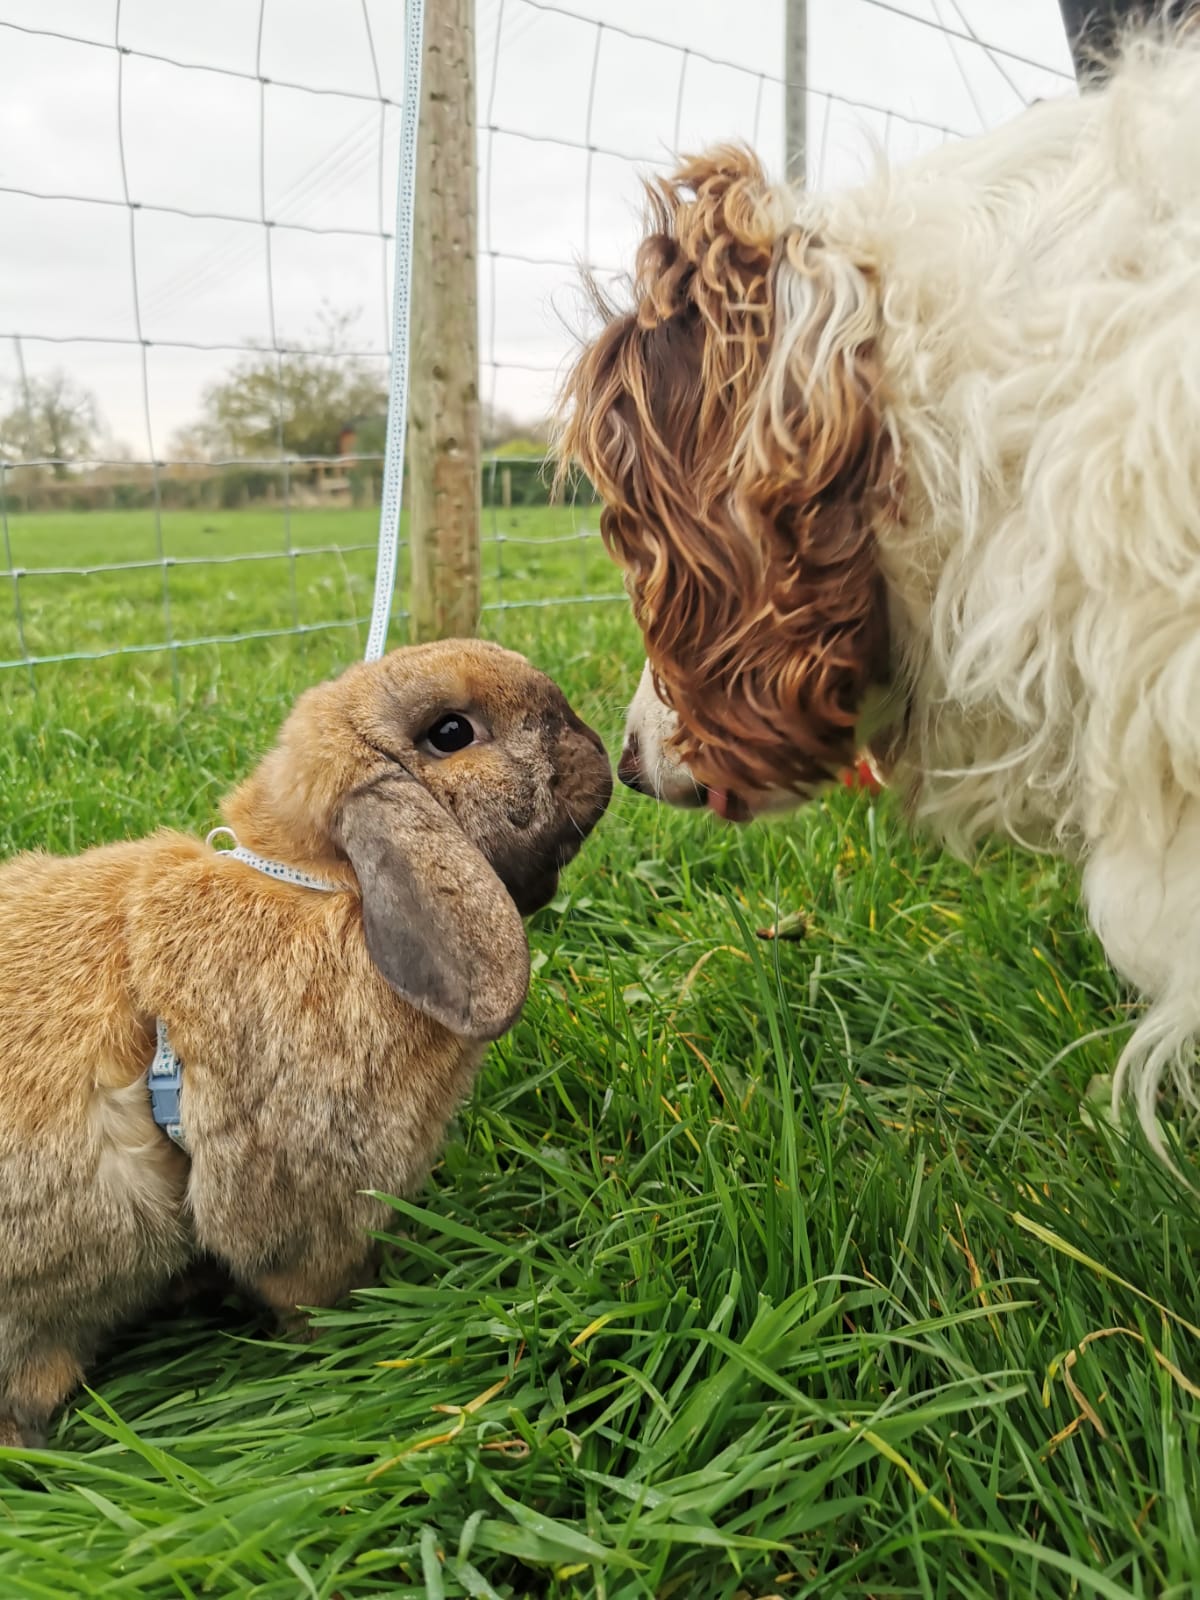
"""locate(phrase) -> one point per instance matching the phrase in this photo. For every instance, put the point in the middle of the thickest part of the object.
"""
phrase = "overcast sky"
(191, 140)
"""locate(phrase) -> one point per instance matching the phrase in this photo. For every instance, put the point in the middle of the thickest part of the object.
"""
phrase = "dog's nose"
(629, 767)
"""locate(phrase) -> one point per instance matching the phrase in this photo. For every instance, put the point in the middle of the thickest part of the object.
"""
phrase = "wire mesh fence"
(194, 316)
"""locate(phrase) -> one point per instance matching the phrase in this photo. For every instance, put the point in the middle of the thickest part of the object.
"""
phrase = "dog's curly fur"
(939, 435)
(743, 513)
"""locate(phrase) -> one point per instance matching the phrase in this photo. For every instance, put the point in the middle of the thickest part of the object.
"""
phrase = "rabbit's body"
(309, 1076)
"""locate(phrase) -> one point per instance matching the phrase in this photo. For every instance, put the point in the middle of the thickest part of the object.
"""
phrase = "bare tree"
(297, 405)
(52, 420)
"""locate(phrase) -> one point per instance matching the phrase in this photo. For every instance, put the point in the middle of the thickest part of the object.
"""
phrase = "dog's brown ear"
(439, 924)
(660, 395)
(667, 375)
(711, 230)
(814, 475)
(721, 202)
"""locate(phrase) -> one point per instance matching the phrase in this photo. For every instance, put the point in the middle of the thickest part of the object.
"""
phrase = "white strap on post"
(393, 461)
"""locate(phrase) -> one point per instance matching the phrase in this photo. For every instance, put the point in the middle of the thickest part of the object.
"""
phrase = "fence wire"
(167, 559)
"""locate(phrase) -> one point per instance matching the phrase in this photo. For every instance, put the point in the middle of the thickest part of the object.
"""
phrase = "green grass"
(749, 1270)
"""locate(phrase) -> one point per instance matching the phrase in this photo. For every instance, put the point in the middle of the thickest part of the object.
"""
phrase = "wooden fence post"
(795, 93)
(443, 426)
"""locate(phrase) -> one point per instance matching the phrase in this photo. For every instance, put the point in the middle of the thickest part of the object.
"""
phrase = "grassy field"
(201, 574)
(752, 1268)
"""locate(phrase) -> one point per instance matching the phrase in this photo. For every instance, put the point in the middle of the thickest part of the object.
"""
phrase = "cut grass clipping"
(755, 1267)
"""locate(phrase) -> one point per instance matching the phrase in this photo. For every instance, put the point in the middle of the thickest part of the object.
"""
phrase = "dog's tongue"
(728, 806)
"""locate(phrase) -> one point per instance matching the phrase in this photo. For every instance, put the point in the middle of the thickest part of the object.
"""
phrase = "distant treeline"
(504, 481)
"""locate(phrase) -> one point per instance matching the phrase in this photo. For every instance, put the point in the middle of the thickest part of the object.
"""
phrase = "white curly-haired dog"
(917, 466)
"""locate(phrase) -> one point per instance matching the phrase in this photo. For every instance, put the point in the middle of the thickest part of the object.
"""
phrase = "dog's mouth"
(727, 804)
(724, 803)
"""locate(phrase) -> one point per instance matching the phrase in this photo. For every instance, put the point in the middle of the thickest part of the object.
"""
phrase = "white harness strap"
(164, 1076)
(273, 869)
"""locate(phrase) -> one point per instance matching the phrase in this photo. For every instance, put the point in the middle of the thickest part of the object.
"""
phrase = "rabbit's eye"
(449, 734)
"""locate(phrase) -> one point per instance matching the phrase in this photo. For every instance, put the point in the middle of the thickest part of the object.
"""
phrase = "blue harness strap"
(164, 1076)
(165, 1079)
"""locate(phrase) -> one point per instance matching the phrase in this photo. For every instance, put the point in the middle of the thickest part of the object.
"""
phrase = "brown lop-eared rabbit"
(326, 1033)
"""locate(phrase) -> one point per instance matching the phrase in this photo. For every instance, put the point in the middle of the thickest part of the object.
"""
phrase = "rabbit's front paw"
(294, 1327)
(15, 1437)
(314, 1283)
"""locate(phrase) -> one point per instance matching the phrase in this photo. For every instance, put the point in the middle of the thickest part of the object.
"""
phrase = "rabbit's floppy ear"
(439, 924)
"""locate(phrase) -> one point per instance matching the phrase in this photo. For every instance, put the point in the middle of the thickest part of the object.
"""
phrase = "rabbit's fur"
(326, 1037)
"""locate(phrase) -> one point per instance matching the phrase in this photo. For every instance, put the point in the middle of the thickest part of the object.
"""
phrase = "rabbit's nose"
(629, 768)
